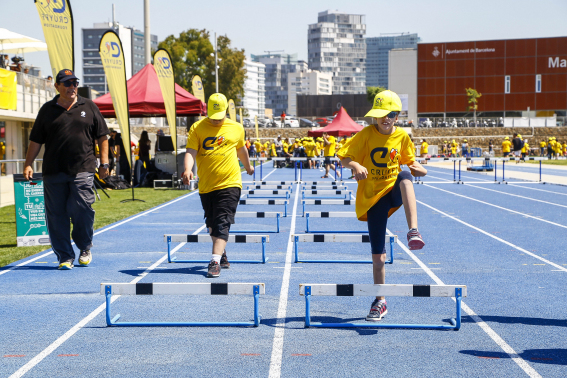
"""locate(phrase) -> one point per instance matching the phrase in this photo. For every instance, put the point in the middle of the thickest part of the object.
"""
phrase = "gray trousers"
(68, 199)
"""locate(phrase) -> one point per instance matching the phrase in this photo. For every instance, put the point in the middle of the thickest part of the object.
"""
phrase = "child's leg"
(377, 222)
(379, 270)
(408, 199)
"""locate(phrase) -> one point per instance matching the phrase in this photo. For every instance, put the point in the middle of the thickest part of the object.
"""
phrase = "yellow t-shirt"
(330, 149)
(258, 146)
(273, 150)
(424, 147)
(564, 147)
(453, 150)
(526, 148)
(542, 144)
(310, 149)
(506, 146)
(558, 146)
(382, 156)
(217, 163)
(285, 147)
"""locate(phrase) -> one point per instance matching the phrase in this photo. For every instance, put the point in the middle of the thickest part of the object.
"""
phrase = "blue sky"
(257, 25)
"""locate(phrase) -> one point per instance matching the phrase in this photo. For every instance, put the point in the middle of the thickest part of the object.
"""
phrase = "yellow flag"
(112, 57)
(232, 110)
(241, 120)
(57, 22)
(164, 71)
(197, 86)
(256, 122)
(8, 90)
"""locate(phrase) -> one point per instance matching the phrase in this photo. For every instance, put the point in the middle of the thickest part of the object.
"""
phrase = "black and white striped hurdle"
(344, 202)
(110, 289)
(320, 194)
(330, 214)
(204, 238)
(288, 183)
(249, 201)
(259, 214)
(350, 290)
(263, 193)
(339, 238)
(325, 187)
(270, 187)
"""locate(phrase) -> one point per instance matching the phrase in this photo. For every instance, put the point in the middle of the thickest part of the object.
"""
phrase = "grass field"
(550, 162)
(107, 211)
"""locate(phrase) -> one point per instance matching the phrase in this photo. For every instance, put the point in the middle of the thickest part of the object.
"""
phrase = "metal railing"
(33, 92)
(16, 166)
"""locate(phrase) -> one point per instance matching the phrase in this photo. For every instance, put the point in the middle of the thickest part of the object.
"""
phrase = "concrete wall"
(6, 190)
(402, 77)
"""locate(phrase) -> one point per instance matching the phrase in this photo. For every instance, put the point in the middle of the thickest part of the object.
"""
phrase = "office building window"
(507, 84)
(538, 83)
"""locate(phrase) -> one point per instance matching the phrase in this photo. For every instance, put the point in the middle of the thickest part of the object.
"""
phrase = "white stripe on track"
(499, 207)
(47, 351)
(101, 231)
(277, 345)
(523, 364)
(539, 190)
(450, 174)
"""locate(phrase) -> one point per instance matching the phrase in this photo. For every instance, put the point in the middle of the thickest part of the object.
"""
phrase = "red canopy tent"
(145, 99)
(342, 125)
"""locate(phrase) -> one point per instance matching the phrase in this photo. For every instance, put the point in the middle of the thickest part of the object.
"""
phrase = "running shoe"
(415, 241)
(224, 264)
(377, 311)
(66, 265)
(85, 258)
(214, 269)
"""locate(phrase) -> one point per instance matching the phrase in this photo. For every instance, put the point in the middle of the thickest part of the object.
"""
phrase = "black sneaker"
(214, 269)
(224, 264)
(377, 311)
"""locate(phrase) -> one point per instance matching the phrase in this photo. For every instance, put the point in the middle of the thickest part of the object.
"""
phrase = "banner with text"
(232, 110)
(57, 23)
(112, 57)
(164, 71)
(8, 90)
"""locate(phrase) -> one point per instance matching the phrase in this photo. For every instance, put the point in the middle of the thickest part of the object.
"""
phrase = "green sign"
(31, 228)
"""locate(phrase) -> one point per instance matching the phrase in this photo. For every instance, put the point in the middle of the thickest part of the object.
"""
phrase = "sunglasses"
(392, 115)
(70, 83)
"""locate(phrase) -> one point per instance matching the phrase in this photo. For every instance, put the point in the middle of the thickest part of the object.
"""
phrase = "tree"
(371, 92)
(473, 96)
(192, 53)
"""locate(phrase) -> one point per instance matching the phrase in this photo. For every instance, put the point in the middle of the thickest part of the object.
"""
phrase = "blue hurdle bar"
(318, 202)
(113, 321)
(175, 260)
(455, 322)
(287, 196)
(390, 261)
(243, 202)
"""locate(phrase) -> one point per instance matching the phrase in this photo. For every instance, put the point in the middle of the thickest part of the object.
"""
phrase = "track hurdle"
(259, 214)
(265, 202)
(456, 291)
(289, 183)
(330, 214)
(339, 238)
(205, 238)
(261, 165)
(326, 202)
(320, 194)
(110, 289)
(325, 187)
(270, 187)
(248, 193)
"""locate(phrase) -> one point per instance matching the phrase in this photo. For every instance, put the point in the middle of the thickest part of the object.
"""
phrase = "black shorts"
(328, 160)
(220, 207)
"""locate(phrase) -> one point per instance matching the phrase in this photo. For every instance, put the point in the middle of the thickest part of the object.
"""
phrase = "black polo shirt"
(69, 136)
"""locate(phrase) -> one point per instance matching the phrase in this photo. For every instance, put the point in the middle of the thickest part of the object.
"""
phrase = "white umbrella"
(22, 48)
(7, 36)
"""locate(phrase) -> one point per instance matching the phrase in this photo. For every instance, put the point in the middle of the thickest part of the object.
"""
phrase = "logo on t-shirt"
(83, 114)
(220, 140)
(393, 154)
(209, 143)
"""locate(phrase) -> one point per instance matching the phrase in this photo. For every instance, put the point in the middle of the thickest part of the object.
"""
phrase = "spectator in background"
(122, 157)
(424, 148)
(144, 146)
(491, 147)
(517, 145)
(2, 154)
(465, 148)
(26, 78)
(542, 146)
(112, 151)
(506, 146)
(283, 119)
(4, 61)
(525, 149)
(249, 147)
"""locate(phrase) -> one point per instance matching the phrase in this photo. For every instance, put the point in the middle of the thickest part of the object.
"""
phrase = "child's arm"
(358, 171)
(417, 170)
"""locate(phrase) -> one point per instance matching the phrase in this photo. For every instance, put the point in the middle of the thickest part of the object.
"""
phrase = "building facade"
(402, 79)
(336, 45)
(377, 56)
(132, 43)
(306, 82)
(254, 99)
(517, 78)
(278, 66)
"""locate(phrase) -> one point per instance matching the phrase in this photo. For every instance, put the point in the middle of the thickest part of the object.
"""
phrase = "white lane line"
(516, 195)
(499, 207)
(523, 364)
(539, 190)
(450, 174)
(496, 237)
(277, 345)
(47, 351)
(100, 231)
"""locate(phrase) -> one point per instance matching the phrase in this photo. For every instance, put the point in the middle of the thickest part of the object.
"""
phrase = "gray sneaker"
(85, 258)
(377, 311)
(66, 265)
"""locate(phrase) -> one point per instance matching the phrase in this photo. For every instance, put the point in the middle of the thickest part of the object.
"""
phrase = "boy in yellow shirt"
(217, 142)
(257, 148)
(330, 145)
(375, 156)
(424, 148)
(525, 149)
(506, 146)
(542, 146)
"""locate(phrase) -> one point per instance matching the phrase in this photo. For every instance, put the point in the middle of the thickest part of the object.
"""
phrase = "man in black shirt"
(517, 145)
(68, 125)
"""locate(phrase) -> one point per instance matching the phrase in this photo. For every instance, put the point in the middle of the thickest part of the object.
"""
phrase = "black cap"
(65, 75)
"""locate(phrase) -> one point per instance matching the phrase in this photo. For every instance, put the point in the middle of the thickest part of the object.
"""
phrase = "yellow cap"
(519, 136)
(507, 138)
(445, 142)
(217, 105)
(465, 140)
(384, 103)
(453, 141)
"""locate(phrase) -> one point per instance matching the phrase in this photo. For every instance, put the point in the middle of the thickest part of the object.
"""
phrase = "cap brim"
(218, 115)
(67, 78)
(377, 113)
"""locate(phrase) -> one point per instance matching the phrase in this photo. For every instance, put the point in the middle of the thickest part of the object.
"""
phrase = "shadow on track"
(542, 356)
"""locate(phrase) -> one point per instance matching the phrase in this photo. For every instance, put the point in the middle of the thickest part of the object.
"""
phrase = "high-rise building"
(254, 88)
(336, 45)
(132, 43)
(377, 49)
(278, 66)
(306, 82)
